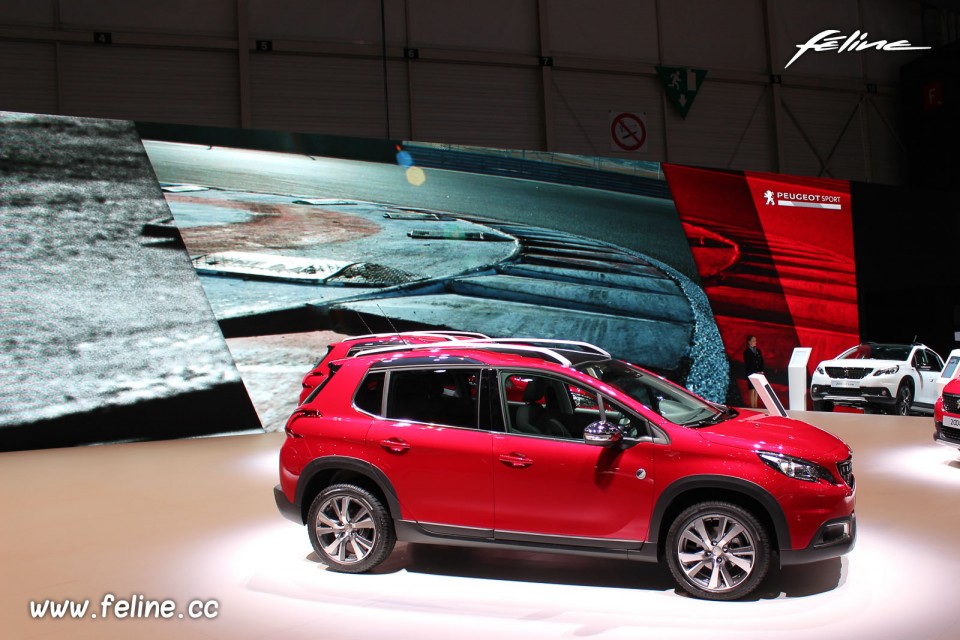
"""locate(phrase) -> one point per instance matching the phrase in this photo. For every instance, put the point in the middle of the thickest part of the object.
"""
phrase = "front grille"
(950, 433)
(848, 373)
(951, 403)
(846, 471)
(851, 393)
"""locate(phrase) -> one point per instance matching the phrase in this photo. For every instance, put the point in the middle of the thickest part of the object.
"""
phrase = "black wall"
(907, 248)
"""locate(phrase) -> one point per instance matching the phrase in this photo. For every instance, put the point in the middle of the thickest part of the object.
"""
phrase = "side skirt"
(408, 531)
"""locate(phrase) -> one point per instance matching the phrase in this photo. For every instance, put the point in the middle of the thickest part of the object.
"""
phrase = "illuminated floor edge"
(195, 520)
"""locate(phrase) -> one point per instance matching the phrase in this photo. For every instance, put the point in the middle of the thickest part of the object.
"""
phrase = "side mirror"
(602, 433)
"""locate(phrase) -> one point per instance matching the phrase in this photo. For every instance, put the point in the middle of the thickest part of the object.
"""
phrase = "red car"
(946, 415)
(358, 344)
(425, 444)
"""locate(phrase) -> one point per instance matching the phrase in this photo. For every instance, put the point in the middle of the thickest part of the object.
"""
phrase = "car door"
(425, 439)
(928, 366)
(549, 485)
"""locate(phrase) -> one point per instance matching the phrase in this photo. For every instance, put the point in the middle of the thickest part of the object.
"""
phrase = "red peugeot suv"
(424, 444)
(946, 415)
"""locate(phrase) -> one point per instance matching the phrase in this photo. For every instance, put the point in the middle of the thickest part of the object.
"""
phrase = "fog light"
(833, 533)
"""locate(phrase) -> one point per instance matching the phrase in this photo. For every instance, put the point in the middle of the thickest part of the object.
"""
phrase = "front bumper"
(948, 436)
(288, 510)
(854, 397)
(833, 539)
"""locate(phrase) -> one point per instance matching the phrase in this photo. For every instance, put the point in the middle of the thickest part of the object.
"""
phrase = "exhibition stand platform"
(190, 528)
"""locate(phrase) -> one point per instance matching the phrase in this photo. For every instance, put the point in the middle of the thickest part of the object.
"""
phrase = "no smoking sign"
(628, 131)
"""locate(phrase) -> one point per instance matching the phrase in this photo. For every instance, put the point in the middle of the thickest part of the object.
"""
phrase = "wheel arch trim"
(345, 463)
(729, 484)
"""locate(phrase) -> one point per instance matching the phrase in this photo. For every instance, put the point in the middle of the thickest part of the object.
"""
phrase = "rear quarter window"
(369, 396)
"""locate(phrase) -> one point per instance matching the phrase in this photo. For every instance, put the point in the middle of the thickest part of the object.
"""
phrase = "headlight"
(796, 467)
(888, 371)
(821, 371)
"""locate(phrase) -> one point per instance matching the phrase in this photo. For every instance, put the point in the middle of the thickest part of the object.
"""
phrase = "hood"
(861, 363)
(780, 435)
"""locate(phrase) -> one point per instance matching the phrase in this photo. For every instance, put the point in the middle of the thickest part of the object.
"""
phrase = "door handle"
(395, 445)
(515, 460)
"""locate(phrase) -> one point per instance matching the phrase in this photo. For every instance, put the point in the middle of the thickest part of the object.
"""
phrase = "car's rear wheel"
(717, 551)
(904, 399)
(350, 529)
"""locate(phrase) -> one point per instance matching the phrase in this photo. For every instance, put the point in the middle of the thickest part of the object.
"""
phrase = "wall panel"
(616, 29)
(342, 96)
(210, 17)
(354, 21)
(477, 105)
(582, 102)
(727, 127)
(28, 12)
(156, 85)
(506, 26)
(29, 77)
(701, 33)
(820, 117)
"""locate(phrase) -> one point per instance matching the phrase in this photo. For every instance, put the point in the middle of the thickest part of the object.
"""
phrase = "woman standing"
(752, 363)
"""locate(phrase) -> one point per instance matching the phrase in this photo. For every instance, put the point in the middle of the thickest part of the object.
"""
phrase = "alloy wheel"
(904, 399)
(716, 552)
(346, 528)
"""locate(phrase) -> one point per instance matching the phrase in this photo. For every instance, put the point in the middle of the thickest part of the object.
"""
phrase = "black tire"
(904, 399)
(822, 405)
(350, 529)
(708, 570)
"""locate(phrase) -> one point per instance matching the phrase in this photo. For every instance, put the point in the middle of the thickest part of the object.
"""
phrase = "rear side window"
(435, 396)
(369, 396)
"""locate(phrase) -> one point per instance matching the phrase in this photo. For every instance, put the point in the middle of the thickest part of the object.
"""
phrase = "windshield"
(873, 351)
(673, 403)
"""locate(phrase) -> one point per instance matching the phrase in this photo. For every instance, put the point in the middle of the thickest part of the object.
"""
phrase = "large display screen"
(776, 258)
(140, 264)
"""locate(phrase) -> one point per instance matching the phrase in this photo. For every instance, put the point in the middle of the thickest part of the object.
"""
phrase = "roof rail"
(470, 344)
(507, 345)
(452, 335)
(562, 344)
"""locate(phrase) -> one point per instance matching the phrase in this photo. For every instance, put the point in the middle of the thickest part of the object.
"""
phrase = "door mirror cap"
(602, 433)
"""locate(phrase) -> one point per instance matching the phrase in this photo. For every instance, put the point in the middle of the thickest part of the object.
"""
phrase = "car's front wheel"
(904, 399)
(717, 551)
(350, 529)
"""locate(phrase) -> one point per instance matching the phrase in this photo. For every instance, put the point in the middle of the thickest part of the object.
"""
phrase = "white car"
(875, 377)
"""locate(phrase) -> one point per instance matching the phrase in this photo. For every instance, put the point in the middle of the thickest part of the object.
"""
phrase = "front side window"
(435, 396)
(673, 403)
(544, 405)
(631, 425)
(920, 359)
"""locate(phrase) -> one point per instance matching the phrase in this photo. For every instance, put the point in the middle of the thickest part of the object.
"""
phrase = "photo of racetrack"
(289, 244)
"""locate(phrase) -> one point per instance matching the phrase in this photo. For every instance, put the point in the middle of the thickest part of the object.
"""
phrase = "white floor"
(195, 520)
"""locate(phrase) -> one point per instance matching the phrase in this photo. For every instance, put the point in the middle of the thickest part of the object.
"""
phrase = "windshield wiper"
(714, 419)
